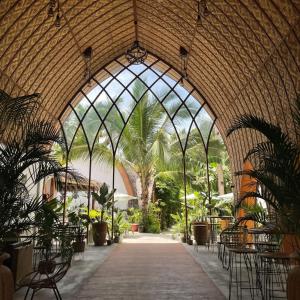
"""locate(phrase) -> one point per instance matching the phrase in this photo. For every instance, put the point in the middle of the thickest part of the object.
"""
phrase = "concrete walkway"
(149, 267)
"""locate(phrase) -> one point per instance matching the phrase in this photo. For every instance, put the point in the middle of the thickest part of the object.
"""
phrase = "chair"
(48, 274)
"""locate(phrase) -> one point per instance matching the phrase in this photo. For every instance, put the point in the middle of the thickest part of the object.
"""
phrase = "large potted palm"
(105, 200)
(276, 171)
(25, 160)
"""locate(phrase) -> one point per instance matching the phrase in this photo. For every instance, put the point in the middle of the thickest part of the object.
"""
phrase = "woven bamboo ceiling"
(245, 57)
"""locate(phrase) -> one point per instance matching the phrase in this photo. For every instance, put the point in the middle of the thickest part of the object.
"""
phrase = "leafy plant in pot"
(79, 220)
(25, 160)
(120, 226)
(200, 225)
(135, 218)
(277, 171)
(105, 200)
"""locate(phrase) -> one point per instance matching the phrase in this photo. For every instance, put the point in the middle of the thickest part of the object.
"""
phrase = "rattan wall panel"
(244, 58)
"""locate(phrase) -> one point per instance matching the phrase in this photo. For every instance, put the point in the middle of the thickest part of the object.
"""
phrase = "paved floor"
(142, 267)
(149, 271)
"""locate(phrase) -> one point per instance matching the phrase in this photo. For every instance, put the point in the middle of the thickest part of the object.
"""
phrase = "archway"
(102, 109)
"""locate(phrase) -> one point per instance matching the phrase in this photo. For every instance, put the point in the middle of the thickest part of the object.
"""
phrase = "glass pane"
(149, 77)
(181, 91)
(137, 69)
(137, 89)
(114, 89)
(102, 105)
(125, 77)
(204, 123)
(172, 104)
(126, 104)
(91, 123)
(114, 124)
(70, 126)
(193, 105)
(160, 89)
(79, 146)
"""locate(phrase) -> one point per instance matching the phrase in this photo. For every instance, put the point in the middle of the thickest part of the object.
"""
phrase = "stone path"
(138, 270)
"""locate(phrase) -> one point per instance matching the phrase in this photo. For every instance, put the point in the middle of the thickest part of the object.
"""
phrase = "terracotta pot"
(6, 280)
(200, 232)
(293, 283)
(134, 227)
(99, 233)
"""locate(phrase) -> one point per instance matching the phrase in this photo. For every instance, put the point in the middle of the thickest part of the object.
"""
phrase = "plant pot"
(6, 280)
(141, 228)
(109, 242)
(116, 239)
(200, 232)
(134, 227)
(183, 239)
(78, 246)
(99, 233)
(46, 266)
(293, 283)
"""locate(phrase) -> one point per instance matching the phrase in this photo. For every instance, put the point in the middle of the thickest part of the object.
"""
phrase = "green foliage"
(151, 220)
(167, 192)
(134, 215)
(179, 223)
(120, 224)
(105, 200)
(25, 145)
(276, 170)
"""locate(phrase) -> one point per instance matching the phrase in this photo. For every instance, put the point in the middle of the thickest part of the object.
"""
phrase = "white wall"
(101, 172)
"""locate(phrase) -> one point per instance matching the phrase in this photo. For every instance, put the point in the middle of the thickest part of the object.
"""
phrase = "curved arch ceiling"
(245, 57)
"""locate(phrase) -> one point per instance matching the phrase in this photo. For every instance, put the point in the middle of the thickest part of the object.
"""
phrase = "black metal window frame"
(113, 76)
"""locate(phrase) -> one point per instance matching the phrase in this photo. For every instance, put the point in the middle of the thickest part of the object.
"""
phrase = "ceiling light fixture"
(183, 53)
(52, 7)
(87, 56)
(202, 11)
(136, 54)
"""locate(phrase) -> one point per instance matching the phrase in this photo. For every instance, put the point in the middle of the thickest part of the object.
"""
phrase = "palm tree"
(276, 171)
(25, 150)
(144, 144)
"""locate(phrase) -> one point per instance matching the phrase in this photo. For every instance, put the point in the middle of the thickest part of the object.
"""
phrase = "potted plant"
(78, 218)
(105, 201)
(25, 145)
(134, 217)
(179, 227)
(120, 226)
(199, 213)
(276, 169)
(277, 172)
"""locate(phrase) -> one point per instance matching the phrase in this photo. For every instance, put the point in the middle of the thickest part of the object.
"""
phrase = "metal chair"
(47, 274)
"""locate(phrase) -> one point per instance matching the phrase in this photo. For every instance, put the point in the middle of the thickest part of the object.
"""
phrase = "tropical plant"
(134, 215)
(276, 170)
(25, 160)
(105, 200)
